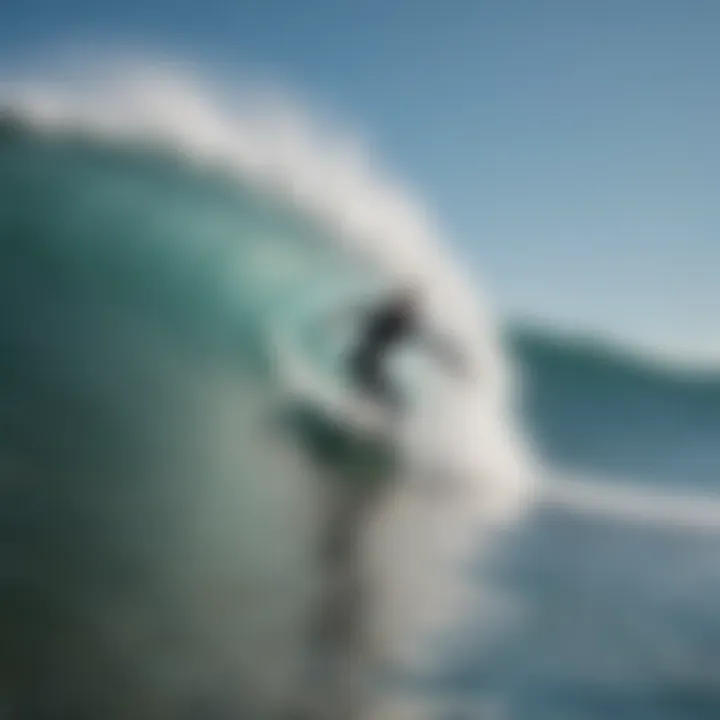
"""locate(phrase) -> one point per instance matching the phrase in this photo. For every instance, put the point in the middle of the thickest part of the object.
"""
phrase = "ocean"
(540, 542)
(617, 575)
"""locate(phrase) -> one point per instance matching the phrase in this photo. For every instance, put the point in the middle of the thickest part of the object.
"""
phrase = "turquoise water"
(146, 477)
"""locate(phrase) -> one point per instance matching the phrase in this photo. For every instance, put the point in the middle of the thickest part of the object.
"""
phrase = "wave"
(613, 415)
(159, 526)
(594, 406)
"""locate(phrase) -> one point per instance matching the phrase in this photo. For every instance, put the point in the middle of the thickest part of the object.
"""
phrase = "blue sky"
(570, 149)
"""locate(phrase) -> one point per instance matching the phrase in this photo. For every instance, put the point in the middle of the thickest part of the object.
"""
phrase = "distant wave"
(596, 407)
(593, 350)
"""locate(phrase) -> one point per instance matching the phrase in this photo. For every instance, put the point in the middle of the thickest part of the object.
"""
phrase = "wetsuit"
(385, 328)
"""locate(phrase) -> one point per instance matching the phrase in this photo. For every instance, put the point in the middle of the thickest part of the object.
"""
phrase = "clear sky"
(570, 149)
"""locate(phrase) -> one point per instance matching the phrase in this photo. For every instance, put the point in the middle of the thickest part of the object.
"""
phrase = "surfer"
(341, 642)
(386, 326)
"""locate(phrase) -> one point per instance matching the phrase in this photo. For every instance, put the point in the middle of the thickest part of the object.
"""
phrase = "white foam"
(630, 503)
